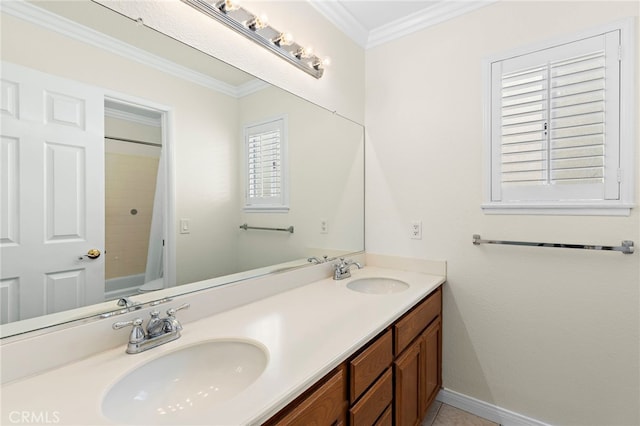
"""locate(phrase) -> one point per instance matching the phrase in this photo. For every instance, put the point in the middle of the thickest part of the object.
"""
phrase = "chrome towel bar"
(626, 246)
(245, 227)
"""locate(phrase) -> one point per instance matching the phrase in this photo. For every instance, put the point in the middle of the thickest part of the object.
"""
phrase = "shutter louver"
(265, 165)
(577, 120)
(553, 123)
(266, 177)
(524, 114)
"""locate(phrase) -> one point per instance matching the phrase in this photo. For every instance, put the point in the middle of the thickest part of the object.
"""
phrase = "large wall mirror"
(120, 139)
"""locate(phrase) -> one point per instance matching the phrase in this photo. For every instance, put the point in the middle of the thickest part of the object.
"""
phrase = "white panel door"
(51, 194)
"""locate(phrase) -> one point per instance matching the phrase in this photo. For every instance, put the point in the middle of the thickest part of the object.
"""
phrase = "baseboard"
(485, 410)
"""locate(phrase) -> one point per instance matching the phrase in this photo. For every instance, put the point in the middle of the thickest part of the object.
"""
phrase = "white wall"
(548, 333)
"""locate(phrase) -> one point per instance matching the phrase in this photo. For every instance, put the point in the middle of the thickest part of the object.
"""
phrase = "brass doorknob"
(91, 254)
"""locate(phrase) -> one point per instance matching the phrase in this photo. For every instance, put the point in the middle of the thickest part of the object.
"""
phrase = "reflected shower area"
(133, 200)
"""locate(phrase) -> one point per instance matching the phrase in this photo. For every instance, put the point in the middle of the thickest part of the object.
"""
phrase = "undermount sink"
(178, 387)
(378, 285)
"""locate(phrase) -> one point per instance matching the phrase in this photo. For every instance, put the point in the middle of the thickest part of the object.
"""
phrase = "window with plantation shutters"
(555, 126)
(265, 150)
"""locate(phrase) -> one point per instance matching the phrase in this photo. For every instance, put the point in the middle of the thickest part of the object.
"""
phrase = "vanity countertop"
(308, 331)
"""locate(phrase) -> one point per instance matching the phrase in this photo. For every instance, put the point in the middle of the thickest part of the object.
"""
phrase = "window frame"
(265, 206)
(627, 129)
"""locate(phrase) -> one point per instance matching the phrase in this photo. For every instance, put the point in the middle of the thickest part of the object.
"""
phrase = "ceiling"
(373, 22)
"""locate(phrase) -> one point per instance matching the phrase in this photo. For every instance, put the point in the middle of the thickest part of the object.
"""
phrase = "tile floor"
(445, 415)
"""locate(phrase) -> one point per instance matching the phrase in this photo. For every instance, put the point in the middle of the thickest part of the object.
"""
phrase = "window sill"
(558, 209)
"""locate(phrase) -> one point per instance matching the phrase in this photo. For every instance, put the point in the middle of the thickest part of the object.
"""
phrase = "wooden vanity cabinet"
(392, 380)
(418, 366)
(371, 381)
(431, 346)
(407, 374)
(325, 403)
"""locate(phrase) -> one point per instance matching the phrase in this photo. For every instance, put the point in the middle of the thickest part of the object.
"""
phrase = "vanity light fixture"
(256, 28)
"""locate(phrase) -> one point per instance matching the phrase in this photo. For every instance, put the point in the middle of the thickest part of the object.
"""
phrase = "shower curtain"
(154, 255)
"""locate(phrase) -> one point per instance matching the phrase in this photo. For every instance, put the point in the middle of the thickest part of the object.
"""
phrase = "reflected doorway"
(134, 200)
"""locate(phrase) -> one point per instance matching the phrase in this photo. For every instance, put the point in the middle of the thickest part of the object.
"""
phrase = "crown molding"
(422, 19)
(440, 12)
(43, 18)
(130, 116)
(338, 15)
(251, 87)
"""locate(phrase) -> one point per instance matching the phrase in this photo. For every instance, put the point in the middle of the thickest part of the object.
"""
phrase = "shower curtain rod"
(133, 141)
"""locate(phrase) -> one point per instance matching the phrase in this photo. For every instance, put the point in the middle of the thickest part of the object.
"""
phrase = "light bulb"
(321, 63)
(256, 23)
(283, 39)
(225, 6)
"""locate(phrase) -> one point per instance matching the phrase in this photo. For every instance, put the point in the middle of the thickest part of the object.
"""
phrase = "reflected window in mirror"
(266, 187)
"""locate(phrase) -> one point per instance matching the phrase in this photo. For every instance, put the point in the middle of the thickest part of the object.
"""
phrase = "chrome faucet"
(318, 261)
(159, 330)
(128, 304)
(343, 269)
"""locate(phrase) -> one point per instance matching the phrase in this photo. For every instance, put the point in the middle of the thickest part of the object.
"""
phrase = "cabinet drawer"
(367, 367)
(374, 402)
(386, 419)
(412, 324)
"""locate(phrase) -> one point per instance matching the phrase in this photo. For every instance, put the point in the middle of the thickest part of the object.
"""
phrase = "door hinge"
(619, 175)
(620, 53)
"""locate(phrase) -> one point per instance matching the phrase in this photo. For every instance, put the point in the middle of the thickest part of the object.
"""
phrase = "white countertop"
(307, 331)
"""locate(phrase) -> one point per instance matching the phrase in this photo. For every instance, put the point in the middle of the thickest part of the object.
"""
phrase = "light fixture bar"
(289, 51)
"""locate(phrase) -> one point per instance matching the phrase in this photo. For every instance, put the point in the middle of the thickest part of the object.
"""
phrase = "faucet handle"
(172, 311)
(171, 323)
(121, 324)
(137, 334)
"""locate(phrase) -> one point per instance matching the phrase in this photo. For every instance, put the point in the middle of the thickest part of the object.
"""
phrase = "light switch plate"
(185, 226)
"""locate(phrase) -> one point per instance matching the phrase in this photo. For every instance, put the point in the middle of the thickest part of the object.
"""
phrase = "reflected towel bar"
(626, 246)
(245, 227)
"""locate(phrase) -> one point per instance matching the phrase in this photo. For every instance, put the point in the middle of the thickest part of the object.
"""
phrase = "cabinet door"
(326, 406)
(408, 370)
(431, 349)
